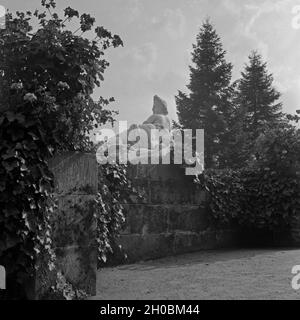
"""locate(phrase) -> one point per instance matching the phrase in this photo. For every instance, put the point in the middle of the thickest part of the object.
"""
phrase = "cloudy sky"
(158, 37)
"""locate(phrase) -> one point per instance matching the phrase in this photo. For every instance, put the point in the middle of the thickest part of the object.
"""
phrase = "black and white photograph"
(149, 154)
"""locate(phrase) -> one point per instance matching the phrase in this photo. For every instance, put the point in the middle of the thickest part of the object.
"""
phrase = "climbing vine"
(47, 76)
(115, 189)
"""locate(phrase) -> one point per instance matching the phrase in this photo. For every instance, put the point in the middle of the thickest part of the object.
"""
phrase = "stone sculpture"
(158, 120)
(143, 140)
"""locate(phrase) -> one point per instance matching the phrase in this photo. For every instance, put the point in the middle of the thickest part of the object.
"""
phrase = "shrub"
(47, 77)
(265, 194)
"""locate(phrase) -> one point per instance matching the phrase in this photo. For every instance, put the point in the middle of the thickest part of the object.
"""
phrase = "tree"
(207, 105)
(257, 110)
(258, 99)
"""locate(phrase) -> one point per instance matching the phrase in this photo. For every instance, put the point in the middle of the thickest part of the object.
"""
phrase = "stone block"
(172, 218)
(157, 172)
(171, 190)
(79, 266)
(187, 218)
(137, 247)
(74, 223)
(75, 173)
(144, 247)
(73, 226)
(152, 218)
(144, 219)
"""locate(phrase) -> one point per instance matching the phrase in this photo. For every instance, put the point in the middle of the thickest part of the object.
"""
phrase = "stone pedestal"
(74, 224)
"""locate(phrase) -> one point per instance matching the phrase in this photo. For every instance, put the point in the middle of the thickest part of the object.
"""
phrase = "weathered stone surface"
(73, 226)
(171, 219)
(148, 246)
(149, 218)
(157, 172)
(173, 191)
(164, 184)
(209, 239)
(74, 223)
(75, 173)
(168, 191)
(160, 104)
(152, 245)
(187, 218)
(79, 265)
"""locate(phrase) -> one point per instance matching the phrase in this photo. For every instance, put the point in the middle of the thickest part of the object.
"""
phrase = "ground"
(230, 274)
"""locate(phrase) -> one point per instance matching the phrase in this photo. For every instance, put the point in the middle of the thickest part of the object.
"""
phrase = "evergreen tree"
(257, 110)
(206, 106)
(257, 98)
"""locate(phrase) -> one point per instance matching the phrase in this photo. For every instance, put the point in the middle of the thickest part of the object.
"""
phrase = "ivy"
(115, 189)
(47, 76)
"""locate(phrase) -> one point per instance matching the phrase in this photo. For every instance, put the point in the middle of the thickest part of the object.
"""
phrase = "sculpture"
(142, 140)
(153, 142)
(158, 120)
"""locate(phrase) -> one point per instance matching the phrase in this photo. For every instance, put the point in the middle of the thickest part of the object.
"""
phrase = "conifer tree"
(206, 105)
(257, 109)
(258, 98)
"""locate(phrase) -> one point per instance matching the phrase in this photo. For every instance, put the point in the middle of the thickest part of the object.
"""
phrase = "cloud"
(158, 37)
(172, 21)
(262, 16)
(175, 23)
(145, 58)
(231, 6)
(134, 9)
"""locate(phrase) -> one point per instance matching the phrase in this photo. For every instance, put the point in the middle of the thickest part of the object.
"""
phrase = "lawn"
(226, 274)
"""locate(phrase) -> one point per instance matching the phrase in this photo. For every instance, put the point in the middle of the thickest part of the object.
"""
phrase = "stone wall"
(74, 224)
(171, 218)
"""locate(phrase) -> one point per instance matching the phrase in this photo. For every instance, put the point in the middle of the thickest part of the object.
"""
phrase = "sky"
(158, 37)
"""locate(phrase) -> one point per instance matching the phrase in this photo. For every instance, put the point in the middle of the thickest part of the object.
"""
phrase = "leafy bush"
(63, 290)
(265, 194)
(115, 189)
(47, 77)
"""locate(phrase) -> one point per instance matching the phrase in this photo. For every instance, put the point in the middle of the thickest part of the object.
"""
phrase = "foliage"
(258, 96)
(115, 189)
(224, 188)
(25, 200)
(63, 290)
(232, 115)
(207, 105)
(294, 118)
(257, 109)
(278, 149)
(47, 77)
(265, 194)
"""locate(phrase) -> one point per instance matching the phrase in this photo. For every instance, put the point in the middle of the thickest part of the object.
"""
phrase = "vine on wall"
(47, 76)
